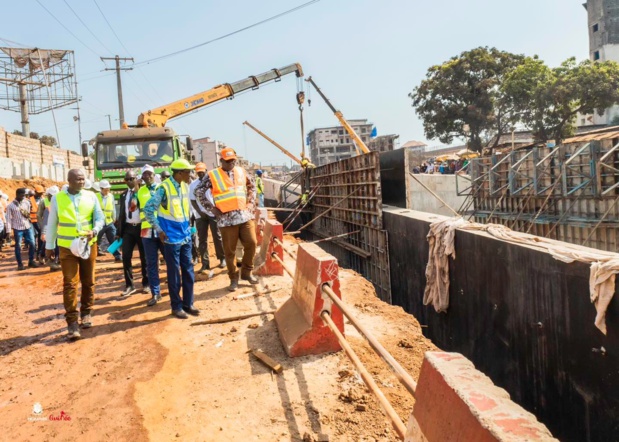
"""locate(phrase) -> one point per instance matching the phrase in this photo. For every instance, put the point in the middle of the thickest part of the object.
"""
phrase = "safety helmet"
(53, 190)
(200, 167)
(259, 172)
(105, 184)
(80, 247)
(181, 164)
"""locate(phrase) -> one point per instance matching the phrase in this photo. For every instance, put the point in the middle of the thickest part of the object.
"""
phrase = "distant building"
(330, 144)
(415, 146)
(383, 143)
(206, 151)
(603, 21)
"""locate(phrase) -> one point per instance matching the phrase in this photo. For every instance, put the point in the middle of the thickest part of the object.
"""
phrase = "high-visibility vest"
(259, 186)
(144, 194)
(108, 208)
(174, 217)
(228, 195)
(34, 207)
(72, 224)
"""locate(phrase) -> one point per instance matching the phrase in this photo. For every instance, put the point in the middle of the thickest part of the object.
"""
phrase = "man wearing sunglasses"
(129, 229)
(234, 201)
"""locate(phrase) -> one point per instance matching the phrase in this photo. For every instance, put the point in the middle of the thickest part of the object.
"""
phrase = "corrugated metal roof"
(593, 136)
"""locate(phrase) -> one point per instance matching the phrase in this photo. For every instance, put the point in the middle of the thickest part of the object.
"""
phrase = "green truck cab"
(118, 151)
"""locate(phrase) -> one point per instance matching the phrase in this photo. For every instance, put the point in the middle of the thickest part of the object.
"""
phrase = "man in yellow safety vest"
(234, 201)
(74, 215)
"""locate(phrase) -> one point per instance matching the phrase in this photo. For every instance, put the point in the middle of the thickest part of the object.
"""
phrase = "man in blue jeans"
(18, 219)
(108, 205)
(150, 238)
(170, 202)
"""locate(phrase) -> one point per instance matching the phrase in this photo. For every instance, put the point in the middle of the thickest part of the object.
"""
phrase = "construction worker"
(150, 239)
(75, 215)
(43, 216)
(259, 188)
(129, 229)
(36, 198)
(234, 201)
(18, 219)
(3, 232)
(205, 220)
(168, 211)
(108, 205)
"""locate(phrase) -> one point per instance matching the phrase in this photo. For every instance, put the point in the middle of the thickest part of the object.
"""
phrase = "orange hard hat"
(227, 154)
(200, 167)
(39, 189)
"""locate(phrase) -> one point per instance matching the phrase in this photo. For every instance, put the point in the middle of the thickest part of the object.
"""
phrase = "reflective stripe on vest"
(228, 195)
(70, 223)
(144, 194)
(34, 207)
(108, 209)
(178, 205)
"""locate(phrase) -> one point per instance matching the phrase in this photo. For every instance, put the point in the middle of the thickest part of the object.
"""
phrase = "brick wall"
(20, 149)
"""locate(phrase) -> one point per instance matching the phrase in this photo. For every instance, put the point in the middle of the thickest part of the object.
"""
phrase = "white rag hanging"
(604, 265)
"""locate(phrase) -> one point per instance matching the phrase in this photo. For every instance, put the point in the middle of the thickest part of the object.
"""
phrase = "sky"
(366, 56)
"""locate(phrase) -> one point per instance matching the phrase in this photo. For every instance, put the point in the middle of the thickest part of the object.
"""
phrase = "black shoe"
(21, 267)
(180, 314)
(192, 310)
(32, 264)
(128, 291)
(222, 264)
(118, 259)
(153, 301)
(234, 284)
(250, 278)
(54, 267)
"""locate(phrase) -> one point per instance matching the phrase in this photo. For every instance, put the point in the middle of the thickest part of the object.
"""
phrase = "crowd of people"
(447, 167)
(167, 215)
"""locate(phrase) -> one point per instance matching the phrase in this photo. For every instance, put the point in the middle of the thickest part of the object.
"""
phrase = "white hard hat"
(157, 179)
(148, 168)
(105, 184)
(87, 184)
(64, 187)
(52, 190)
(80, 247)
(96, 187)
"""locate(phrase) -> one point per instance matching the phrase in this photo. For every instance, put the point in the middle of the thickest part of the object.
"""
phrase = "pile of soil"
(10, 186)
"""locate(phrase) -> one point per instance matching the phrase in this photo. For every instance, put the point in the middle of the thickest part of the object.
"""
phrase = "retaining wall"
(523, 318)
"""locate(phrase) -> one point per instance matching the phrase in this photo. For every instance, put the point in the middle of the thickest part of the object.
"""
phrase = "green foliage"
(548, 100)
(465, 91)
(17, 132)
(34, 135)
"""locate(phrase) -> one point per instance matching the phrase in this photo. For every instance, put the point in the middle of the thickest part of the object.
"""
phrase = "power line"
(67, 29)
(13, 43)
(274, 17)
(111, 28)
(86, 26)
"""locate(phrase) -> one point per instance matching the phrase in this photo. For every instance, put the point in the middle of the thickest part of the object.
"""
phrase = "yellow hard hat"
(182, 164)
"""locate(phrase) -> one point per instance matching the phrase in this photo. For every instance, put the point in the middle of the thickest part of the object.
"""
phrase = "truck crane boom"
(158, 117)
(273, 142)
(359, 144)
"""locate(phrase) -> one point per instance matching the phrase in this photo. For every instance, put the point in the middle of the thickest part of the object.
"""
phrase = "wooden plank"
(267, 360)
(232, 318)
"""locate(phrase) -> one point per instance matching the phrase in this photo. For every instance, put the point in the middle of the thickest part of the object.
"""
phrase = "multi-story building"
(329, 144)
(206, 151)
(603, 22)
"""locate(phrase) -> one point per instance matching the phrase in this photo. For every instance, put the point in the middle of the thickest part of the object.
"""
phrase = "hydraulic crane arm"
(273, 142)
(158, 117)
(359, 144)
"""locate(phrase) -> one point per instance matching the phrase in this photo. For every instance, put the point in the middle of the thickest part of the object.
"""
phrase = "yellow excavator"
(151, 142)
(302, 162)
(359, 144)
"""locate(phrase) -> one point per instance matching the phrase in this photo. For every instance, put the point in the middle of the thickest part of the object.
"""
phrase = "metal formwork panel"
(349, 199)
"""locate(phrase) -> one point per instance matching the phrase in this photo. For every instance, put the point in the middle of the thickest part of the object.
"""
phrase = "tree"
(17, 132)
(34, 135)
(464, 93)
(48, 140)
(548, 100)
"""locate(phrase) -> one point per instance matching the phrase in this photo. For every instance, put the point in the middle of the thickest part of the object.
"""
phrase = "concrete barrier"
(456, 402)
(264, 263)
(261, 215)
(300, 327)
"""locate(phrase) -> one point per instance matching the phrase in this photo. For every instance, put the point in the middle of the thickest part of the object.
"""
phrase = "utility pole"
(117, 59)
(109, 120)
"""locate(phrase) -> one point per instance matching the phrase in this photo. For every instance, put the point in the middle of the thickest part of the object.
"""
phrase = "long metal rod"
(288, 252)
(300, 207)
(335, 237)
(330, 209)
(435, 195)
(404, 378)
(397, 423)
(601, 220)
(286, 268)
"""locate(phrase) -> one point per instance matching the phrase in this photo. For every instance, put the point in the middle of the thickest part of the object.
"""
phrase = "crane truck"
(151, 142)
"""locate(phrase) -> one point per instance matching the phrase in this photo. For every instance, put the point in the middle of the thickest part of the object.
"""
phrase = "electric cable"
(274, 17)
(110, 26)
(86, 26)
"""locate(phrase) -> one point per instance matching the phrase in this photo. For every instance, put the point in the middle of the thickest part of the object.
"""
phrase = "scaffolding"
(568, 192)
(33, 81)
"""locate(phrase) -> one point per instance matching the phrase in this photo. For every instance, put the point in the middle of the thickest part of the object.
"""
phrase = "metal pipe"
(397, 423)
(288, 252)
(335, 237)
(330, 209)
(404, 378)
(286, 268)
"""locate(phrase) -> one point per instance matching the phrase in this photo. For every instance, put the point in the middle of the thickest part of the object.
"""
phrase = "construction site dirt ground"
(139, 374)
